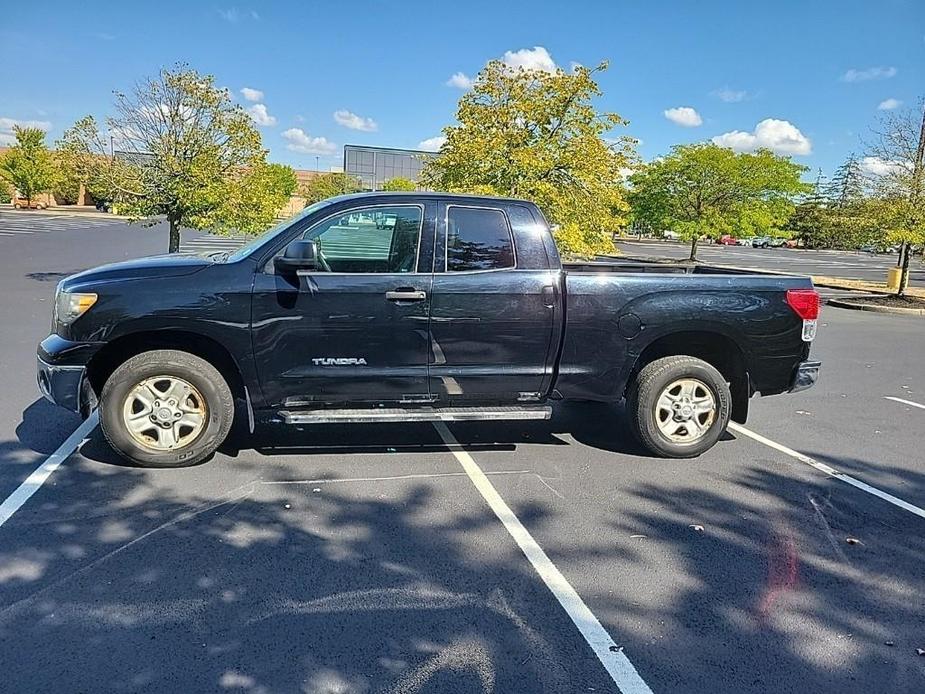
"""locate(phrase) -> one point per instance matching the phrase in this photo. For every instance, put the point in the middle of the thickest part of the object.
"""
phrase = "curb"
(841, 303)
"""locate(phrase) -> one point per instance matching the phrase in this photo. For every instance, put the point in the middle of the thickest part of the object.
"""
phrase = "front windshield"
(255, 243)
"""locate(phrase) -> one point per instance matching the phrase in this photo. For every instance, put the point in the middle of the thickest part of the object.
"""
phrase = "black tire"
(219, 406)
(646, 389)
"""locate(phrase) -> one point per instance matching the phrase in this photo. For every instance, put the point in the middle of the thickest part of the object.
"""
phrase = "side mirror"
(299, 255)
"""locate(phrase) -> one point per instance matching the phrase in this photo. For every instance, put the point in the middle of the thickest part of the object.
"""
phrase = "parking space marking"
(35, 480)
(904, 402)
(612, 657)
(832, 472)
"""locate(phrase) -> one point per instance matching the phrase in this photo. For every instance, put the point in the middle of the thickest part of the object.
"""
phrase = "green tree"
(706, 189)
(255, 202)
(184, 148)
(897, 159)
(399, 184)
(28, 165)
(329, 185)
(537, 135)
(847, 185)
(809, 221)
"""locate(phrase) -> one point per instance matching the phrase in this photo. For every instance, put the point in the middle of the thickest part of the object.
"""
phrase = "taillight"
(804, 302)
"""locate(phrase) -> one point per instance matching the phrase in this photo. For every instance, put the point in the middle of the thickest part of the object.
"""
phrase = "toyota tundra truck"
(410, 307)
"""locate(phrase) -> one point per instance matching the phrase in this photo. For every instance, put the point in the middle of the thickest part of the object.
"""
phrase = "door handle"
(406, 295)
(549, 296)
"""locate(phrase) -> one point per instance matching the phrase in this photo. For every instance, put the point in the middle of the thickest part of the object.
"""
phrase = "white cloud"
(684, 116)
(531, 59)
(355, 122)
(261, 116)
(779, 136)
(871, 73)
(302, 142)
(730, 96)
(233, 15)
(251, 94)
(432, 144)
(460, 80)
(536, 58)
(875, 166)
(7, 137)
(889, 104)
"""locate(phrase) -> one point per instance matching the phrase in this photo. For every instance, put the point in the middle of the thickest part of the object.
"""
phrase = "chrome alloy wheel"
(164, 413)
(685, 410)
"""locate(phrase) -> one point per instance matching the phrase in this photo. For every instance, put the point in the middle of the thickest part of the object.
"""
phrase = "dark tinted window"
(477, 239)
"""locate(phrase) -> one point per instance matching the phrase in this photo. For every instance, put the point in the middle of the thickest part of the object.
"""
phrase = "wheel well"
(115, 353)
(716, 349)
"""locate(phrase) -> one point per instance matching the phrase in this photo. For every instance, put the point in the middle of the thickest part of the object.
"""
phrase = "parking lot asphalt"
(367, 559)
(848, 264)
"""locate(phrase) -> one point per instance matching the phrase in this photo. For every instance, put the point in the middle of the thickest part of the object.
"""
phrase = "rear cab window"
(478, 239)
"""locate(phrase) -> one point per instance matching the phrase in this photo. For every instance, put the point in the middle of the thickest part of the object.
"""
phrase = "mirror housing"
(299, 255)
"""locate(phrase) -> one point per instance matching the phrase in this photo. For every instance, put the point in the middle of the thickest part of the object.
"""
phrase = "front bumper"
(61, 384)
(805, 376)
(62, 371)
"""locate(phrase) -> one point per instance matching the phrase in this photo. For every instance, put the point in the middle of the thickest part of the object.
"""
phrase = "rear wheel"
(166, 408)
(679, 406)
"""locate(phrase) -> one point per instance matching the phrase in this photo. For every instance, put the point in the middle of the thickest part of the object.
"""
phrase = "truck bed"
(618, 308)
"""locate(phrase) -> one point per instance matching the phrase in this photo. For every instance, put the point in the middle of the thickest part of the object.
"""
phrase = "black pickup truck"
(395, 307)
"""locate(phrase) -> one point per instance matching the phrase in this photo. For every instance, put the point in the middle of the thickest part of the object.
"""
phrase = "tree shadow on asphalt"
(122, 579)
(775, 595)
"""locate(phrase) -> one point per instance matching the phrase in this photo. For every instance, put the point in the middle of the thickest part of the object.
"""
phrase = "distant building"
(373, 166)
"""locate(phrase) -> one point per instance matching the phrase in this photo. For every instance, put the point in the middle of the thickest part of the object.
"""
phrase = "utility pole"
(915, 195)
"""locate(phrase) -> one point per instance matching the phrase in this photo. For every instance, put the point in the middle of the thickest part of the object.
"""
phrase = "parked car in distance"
(24, 204)
(878, 248)
(744, 241)
(410, 307)
(671, 236)
(727, 240)
(768, 242)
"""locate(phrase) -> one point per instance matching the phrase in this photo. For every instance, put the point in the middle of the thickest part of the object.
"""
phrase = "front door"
(355, 329)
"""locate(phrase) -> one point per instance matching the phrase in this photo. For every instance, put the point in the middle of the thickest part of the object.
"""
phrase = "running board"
(417, 414)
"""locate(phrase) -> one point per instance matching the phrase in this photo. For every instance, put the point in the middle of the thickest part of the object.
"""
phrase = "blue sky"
(805, 78)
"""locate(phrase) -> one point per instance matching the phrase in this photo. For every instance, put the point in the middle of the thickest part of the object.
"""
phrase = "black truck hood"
(172, 265)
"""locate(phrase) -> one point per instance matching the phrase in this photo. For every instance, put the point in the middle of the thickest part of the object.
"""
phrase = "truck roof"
(432, 195)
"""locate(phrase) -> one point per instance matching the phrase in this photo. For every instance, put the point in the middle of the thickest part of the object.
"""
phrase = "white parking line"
(612, 657)
(35, 480)
(904, 402)
(832, 472)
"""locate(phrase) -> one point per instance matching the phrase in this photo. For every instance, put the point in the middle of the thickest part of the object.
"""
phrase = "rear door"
(494, 310)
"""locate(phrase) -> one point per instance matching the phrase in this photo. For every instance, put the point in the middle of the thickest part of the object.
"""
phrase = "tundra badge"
(338, 361)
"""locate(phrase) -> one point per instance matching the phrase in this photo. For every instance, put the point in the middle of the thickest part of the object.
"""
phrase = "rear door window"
(478, 238)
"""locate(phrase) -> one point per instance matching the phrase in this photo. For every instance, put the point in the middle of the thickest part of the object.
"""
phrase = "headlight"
(69, 306)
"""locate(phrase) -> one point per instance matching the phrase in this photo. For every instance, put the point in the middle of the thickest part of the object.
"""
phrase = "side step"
(417, 414)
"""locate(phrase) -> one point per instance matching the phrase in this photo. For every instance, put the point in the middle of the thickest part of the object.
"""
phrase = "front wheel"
(679, 406)
(166, 408)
